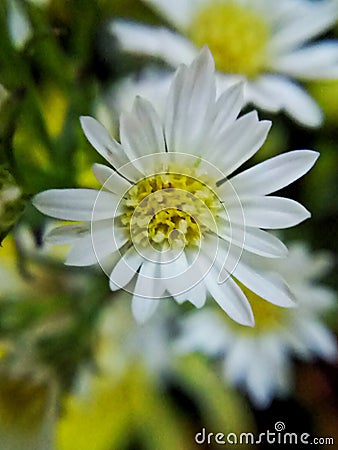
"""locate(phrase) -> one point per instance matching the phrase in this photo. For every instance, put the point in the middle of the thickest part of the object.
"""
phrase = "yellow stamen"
(236, 35)
(169, 208)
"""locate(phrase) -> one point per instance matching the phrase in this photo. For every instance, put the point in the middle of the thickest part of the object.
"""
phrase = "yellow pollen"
(169, 209)
(236, 35)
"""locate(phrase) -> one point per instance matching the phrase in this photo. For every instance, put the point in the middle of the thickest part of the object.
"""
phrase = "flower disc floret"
(169, 208)
(236, 35)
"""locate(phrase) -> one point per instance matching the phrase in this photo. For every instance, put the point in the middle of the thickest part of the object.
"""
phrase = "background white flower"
(19, 28)
(170, 222)
(259, 360)
(263, 42)
(152, 84)
(122, 344)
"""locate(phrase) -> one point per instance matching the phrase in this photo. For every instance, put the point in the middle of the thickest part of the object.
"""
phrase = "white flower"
(263, 42)
(259, 359)
(151, 84)
(19, 28)
(169, 222)
(122, 344)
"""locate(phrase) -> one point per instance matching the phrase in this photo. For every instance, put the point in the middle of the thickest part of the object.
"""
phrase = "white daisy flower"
(121, 343)
(259, 359)
(263, 42)
(151, 84)
(19, 27)
(168, 221)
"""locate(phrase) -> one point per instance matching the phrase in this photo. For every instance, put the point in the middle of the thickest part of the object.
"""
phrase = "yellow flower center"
(236, 35)
(169, 209)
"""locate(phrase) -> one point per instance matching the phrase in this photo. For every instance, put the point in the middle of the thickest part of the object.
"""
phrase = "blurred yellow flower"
(54, 104)
(110, 415)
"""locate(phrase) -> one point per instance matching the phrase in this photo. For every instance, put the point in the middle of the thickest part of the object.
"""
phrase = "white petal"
(261, 380)
(107, 236)
(230, 298)
(196, 326)
(237, 360)
(100, 139)
(318, 339)
(314, 298)
(170, 271)
(291, 98)
(179, 282)
(155, 41)
(259, 94)
(66, 234)
(149, 283)
(317, 61)
(238, 143)
(224, 81)
(227, 108)
(263, 285)
(82, 253)
(110, 179)
(196, 295)
(77, 204)
(147, 293)
(178, 12)
(143, 308)
(315, 19)
(267, 212)
(19, 27)
(141, 131)
(267, 285)
(282, 13)
(274, 173)
(151, 83)
(296, 341)
(253, 240)
(189, 106)
(101, 242)
(125, 269)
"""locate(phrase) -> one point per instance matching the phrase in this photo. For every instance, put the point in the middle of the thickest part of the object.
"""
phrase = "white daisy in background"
(168, 222)
(121, 344)
(259, 359)
(263, 42)
(152, 84)
(19, 27)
